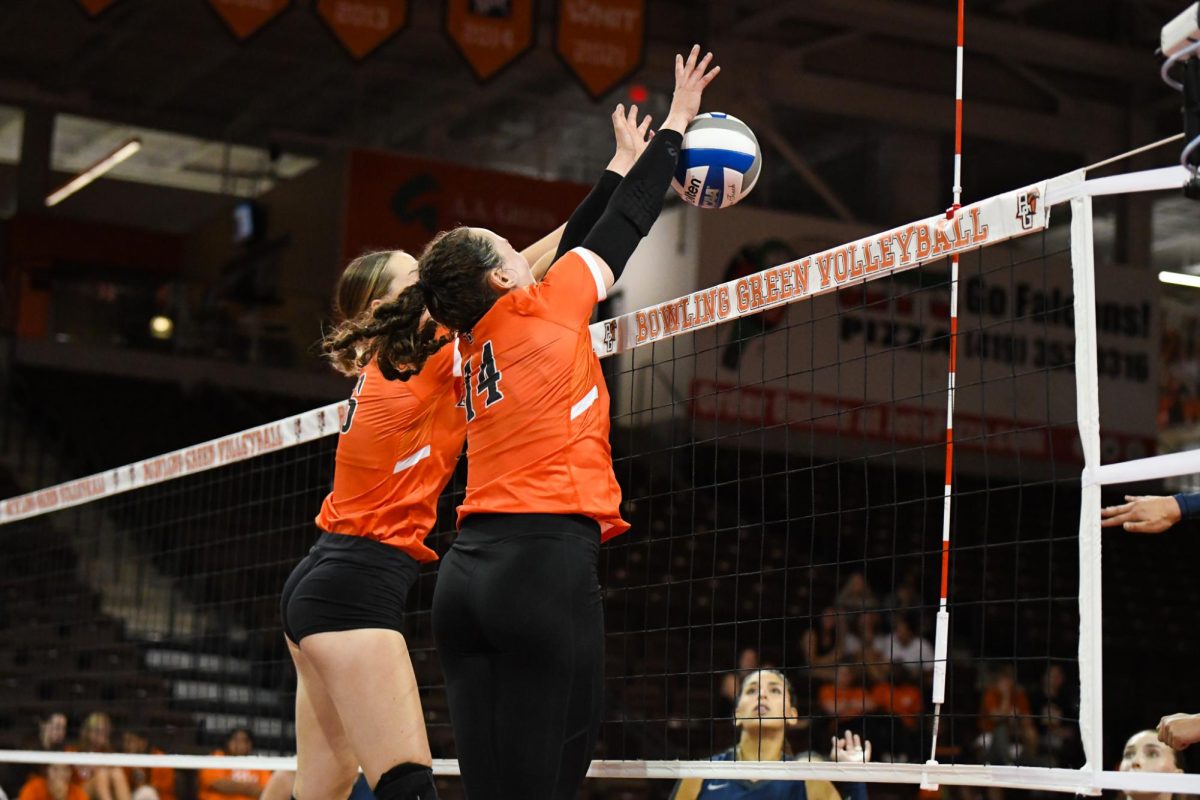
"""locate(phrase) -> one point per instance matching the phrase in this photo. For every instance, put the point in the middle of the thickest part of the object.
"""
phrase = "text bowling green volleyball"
(719, 163)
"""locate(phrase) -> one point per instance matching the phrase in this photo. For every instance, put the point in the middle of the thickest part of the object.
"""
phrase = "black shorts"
(346, 583)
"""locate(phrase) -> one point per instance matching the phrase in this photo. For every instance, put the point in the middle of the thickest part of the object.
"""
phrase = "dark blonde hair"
(364, 280)
(452, 287)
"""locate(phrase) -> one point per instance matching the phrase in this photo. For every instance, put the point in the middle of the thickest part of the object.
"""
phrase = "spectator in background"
(911, 656)
(51, 735)
(856, 594)
(100, 783)
(1007, 734)
(53, 783)
(1145, 753)
(52, 731)
(1150, 513)
(822, 646)
(152, 783)
(846, 700)
(747, 662)
(906, 595)
(233, 784)
(1055, 711)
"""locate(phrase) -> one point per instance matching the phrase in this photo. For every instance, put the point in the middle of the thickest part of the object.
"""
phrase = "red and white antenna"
(941, 639)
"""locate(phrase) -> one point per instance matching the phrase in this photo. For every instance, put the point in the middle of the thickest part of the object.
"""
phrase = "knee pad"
(406, 782)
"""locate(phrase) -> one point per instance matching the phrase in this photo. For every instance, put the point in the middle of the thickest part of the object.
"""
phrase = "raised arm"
(630, 142)
(638, 200)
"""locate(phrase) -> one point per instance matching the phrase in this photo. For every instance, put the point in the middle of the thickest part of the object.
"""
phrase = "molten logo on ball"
(719, 163)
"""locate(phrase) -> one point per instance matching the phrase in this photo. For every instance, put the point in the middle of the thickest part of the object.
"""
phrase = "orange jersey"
(537, 404)
(36, 788)
(161, 779)
(208, 777)
(398, 447)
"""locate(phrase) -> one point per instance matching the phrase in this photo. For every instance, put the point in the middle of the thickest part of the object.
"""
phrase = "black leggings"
(519, 624)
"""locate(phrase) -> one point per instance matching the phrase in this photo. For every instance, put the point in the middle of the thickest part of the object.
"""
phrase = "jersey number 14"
(486, 383)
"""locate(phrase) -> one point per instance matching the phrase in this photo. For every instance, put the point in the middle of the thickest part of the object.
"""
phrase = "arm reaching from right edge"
(1150, 514)
(638, 200)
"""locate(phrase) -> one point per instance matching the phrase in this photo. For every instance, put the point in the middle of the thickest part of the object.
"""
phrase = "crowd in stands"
(87, 782)
(869, 666)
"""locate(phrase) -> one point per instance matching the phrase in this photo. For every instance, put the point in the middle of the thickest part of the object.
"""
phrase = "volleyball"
(719, 163)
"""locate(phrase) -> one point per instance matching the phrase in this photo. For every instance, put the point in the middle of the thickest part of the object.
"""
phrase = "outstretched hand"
(850, 748)
(1142, 514)
(632, 138)
(692, 77)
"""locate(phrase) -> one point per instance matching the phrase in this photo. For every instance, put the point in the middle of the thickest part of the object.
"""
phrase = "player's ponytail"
(393, 333)
(402, 342)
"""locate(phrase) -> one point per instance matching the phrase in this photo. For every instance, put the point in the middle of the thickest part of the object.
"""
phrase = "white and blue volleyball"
(719, 163)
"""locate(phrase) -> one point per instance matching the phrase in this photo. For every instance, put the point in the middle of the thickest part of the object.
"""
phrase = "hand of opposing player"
(850, 748)
(1146, 514)
(632, 138)
(692, 77)
(1179, 730)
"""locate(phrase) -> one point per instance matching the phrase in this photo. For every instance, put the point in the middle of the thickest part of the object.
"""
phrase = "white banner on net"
(278, 435)
(981, 224)
(1033, 778)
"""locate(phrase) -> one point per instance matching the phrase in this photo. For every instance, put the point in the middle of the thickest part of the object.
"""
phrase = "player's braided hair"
(452, 286)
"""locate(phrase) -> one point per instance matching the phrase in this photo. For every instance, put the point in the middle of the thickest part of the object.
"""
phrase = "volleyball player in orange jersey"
(356, 697)
(517, 612)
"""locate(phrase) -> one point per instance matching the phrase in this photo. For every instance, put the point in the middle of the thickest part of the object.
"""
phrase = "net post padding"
(1087, 401)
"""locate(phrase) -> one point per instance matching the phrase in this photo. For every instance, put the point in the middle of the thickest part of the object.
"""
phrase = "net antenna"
(941, 644)
(1180, 43)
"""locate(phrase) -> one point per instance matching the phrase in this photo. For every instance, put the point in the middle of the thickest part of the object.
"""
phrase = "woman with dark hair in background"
(765, 711)
(1145, 753)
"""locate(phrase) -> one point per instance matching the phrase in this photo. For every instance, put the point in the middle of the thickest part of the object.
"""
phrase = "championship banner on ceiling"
(397, 202)
(95, 8)
(246, 19)
(363, 25)
(602, 43)
(490, 34)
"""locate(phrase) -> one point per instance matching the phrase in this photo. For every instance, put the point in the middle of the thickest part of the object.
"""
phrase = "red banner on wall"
(95, 8)
(244, 18)
(602, 43)
(363, 25)
(395, 202)
(490, 34)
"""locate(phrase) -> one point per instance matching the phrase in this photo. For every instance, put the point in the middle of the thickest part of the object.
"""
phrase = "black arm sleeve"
(636, 203)
(584, 217)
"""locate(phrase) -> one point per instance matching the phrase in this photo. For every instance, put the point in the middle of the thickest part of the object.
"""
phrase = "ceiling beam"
(920, 23)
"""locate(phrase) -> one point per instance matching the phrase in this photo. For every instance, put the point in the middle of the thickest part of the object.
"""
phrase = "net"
(780, 441)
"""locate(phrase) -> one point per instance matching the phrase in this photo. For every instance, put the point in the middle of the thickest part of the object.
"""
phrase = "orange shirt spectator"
(846, 699)
(54, 785)
(233, 784)
(160, 779)
(1003, 699)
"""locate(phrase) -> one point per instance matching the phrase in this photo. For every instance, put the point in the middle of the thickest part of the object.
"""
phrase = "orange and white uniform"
(208, 777)
(399, 444)
(536, 403)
